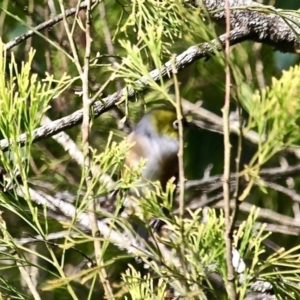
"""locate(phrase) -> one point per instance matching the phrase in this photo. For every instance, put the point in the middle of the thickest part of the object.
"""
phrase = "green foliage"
(191, 250)
(164, 18)
(195, 250)
(142, 287)
(275, 115)
(23, 100)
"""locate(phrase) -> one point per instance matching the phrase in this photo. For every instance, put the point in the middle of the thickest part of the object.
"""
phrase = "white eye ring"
(176, 124)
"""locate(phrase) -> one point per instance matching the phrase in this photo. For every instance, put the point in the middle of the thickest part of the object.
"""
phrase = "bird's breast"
(160, 154)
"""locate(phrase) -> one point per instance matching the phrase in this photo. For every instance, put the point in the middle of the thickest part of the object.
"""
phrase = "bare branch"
(249, 21)
(269, 174)
(230, 278)
(204, 50)
(49, 23)
(263, 24)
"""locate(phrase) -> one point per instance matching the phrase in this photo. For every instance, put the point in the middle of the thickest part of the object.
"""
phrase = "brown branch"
(264, 24)
(124, 240)
(207, 120)
(204, 50)
(268, 174)
(284, 190)
(230, 278)
(47, 24)
(60, 206)
(250, 21)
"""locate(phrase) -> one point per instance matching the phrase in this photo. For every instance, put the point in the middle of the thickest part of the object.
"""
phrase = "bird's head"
(156, 139)
(160, 121)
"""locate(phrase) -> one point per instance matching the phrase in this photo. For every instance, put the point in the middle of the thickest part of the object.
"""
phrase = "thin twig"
(180, 162)
(126, 126)
(58, 205)
(265, 214)
(230, 284)
(21, 263)
(287, 191)
(27, 278)
(216, 122)
(181, 143)
(269, 174)
(73, 47)
(30, 8)
(212, 122)
(75, 153)
(47, 46)
(204, 50)
(124, 241)
(108, 42)
(4, 5)
(87, 162)
(236, 194)
(49, 23)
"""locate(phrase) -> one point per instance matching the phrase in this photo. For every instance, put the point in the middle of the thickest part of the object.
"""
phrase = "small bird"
(156, 141)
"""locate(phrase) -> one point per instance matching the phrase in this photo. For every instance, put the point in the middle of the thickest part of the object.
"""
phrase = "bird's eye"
(175, 124)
